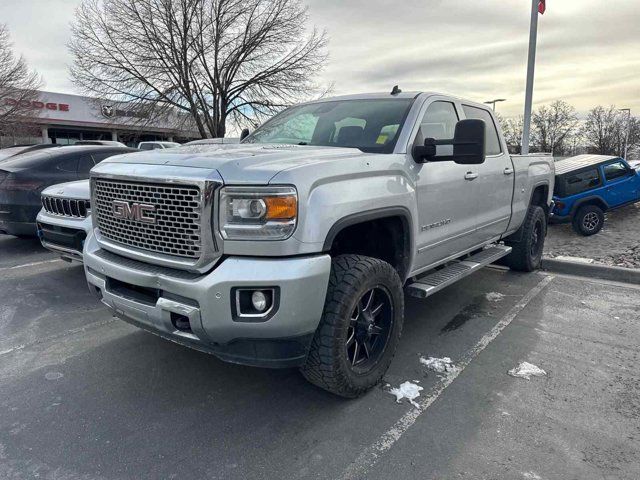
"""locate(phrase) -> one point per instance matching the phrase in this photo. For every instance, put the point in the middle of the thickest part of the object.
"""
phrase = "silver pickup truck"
(295, 247)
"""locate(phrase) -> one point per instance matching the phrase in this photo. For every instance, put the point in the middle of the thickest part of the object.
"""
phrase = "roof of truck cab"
(578, 162)
(372, 96)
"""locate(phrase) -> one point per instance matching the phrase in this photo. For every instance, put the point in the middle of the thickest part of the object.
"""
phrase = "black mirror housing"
(244, 134)
(469, 142)
(468, 145)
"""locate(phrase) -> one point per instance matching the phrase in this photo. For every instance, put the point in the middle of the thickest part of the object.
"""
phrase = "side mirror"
(468, 145)
(244, 134)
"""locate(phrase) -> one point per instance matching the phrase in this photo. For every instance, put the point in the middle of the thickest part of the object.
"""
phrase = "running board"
(436, 281)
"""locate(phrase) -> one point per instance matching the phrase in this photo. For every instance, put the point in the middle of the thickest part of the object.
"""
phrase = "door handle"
(470, 176)
(508, 171)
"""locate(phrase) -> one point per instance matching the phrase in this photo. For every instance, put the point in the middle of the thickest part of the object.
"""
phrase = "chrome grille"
(177, 227)
(66, 207)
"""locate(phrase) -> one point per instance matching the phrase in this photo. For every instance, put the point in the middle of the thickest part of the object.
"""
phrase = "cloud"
(588, 50)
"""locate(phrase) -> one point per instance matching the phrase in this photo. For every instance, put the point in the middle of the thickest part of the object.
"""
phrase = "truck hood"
(242, 163)
(79, 190)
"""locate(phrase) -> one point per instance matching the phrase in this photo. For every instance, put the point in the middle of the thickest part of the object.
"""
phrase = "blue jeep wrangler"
(589, 185)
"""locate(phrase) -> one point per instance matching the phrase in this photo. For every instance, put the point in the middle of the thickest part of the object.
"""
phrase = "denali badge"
(441, 223)
(139, 212)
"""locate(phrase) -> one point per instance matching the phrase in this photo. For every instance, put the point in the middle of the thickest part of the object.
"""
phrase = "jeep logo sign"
(139, 212)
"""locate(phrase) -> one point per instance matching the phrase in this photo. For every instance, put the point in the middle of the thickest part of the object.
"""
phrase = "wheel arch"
(395, 220)
(590, 200)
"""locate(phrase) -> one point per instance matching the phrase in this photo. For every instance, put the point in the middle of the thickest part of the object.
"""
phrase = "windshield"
(370, 125)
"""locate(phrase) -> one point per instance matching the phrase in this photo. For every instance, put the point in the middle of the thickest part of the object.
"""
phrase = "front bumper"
(18, 219)
(63, 235)
(152, 297)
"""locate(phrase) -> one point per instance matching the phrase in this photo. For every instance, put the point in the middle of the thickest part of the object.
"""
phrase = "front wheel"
(588, 220)
(360, 326)
(526, 254)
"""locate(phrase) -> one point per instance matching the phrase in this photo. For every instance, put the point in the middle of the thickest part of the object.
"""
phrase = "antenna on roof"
(395, 90)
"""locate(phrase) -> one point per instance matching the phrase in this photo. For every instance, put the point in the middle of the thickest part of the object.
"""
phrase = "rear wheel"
(526, 254)
(588, 220)
(360, 326)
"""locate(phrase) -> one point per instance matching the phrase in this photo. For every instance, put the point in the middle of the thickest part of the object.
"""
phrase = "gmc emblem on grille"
(140, 212)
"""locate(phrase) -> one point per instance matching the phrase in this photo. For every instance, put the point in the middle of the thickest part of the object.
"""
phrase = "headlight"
(258, 213)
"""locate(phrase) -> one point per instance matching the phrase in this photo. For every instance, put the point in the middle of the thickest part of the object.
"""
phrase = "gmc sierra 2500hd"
(296, 246)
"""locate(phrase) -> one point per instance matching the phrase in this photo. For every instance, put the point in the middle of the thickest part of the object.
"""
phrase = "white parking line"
(371, 454)
(58, 336)
(33, 264)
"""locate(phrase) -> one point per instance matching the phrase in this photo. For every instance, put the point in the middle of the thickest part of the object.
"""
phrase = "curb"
(594, 270)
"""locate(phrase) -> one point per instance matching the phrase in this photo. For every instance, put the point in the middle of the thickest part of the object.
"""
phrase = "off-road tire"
(580, 220)
(524, 257)
(327, 364)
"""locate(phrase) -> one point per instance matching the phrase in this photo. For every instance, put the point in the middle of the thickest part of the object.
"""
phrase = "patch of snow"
(568, 258)
(407, 390)
(532, 475)
(439, 365)
(494, 296)
(527, 370)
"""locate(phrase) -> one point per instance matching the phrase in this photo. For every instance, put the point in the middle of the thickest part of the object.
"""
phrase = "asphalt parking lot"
(85, 396)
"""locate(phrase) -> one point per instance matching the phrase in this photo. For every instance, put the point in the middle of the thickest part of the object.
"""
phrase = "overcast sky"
(588, 50)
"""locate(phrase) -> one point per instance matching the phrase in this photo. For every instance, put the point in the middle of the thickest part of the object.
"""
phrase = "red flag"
(541, 6)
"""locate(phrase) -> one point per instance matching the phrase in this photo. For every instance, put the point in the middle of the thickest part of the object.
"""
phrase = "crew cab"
(295, 248)
(587, 186)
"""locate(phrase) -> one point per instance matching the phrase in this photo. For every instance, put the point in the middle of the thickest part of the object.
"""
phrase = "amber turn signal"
(281, 208)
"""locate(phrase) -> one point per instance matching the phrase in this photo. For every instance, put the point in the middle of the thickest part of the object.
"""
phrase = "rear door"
(494, 185)
(621, 183)
(445, 191)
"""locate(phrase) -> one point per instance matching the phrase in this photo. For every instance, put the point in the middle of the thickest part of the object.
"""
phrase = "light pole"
(537, 7)
(493, 102)
(626, 136)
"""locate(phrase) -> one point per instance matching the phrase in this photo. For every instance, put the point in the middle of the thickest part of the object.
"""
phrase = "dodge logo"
(139, 212)
(107, 111)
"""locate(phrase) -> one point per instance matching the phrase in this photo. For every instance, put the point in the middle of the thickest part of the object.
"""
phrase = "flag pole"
(531, 64)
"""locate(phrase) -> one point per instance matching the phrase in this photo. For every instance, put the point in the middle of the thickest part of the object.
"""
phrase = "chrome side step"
(436, 281)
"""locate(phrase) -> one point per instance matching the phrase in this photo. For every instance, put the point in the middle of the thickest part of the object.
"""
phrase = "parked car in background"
(587, 186)
(157, 145)
(14, 150)
(65, 219)
(23, 178)
(106, 143)
(213, 141)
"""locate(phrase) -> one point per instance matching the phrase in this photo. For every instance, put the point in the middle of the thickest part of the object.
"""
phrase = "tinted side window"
(491, 133)
(68, 165)
(581, 182)
(146, 146)
(98, 157)
(439, 121)
(615, 170)
(85, 163)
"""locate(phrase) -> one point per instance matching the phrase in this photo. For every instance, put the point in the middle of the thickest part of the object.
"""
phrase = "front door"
(494, 185)
(445, 192)
(622, 184)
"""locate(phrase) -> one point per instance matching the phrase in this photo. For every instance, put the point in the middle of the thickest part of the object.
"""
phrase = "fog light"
(259, 301)
(254, 304)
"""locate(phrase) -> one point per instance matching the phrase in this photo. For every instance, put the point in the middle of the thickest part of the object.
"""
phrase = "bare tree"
(18, 85)
(605, 131)
(552, 125)
(512, 129)
(215, 60)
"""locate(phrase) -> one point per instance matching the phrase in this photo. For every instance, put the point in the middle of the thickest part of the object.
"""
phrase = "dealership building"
(64, 119)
